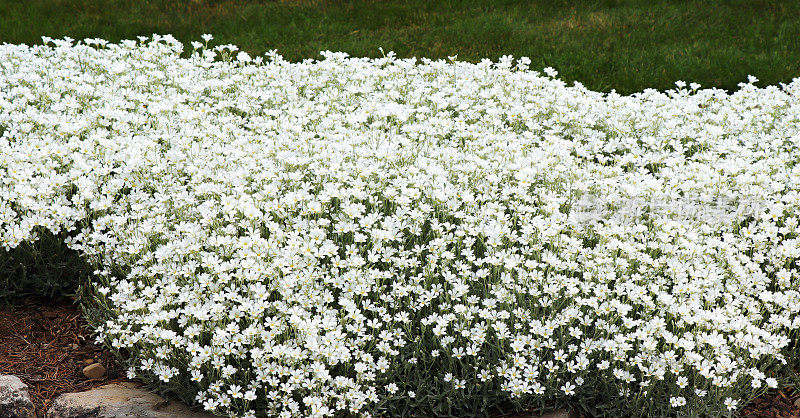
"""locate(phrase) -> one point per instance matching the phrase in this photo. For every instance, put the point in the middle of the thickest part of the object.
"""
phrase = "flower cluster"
(356, 236)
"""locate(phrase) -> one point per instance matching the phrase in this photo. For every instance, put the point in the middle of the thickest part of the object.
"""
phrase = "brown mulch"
(47, 344)
(775, 404)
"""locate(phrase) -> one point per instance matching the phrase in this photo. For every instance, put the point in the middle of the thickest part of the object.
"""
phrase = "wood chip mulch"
(48, 343)
(775, 404)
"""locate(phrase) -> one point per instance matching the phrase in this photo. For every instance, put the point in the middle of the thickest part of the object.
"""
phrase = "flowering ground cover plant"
(392, 237)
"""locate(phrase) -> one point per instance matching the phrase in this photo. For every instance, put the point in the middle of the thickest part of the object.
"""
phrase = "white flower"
(731, 404)
(677, 401)
(568, 388)
(771, 382)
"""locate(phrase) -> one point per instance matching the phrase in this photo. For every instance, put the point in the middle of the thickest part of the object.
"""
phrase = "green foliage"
(610, 44)
(46, 268)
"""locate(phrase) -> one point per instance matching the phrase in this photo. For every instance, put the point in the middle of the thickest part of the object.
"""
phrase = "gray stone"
(559, 413)
(14, 399)
(124, 399)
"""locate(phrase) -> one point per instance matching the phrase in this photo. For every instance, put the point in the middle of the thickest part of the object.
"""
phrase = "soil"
(48, 343)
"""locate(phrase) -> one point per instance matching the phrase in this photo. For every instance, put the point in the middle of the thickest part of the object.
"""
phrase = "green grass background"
(611, 44)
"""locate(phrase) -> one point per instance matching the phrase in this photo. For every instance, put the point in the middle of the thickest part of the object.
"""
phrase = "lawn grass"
(623, 45)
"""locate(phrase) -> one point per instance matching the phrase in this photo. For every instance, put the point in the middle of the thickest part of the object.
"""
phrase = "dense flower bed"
(381, 236)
